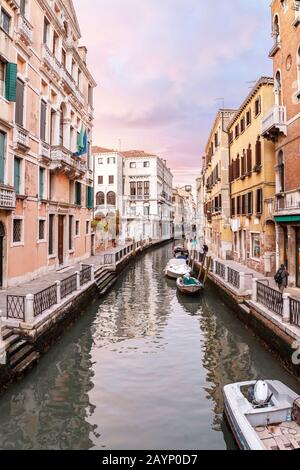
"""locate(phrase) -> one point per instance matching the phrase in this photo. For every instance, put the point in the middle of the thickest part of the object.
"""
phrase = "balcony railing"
(274, 122)
(51, 61)
(7, 198)
(45, 150)
(25, 29)
(288, 201)
(62, 159)
(297, 13)
(21, 137)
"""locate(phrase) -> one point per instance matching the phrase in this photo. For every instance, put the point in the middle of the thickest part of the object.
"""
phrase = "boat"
(192, 289)
(178, 249)
(263, 415)
(177, 268)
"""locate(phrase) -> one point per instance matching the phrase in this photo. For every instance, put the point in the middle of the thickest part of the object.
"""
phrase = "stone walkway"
(43, 282)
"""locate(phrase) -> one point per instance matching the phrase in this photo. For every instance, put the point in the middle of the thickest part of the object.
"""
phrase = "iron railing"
(270, 298)
(44, 300)
(295, 312)
(15, 307)
(220, 270)
(85, 275)
(68, 286)
(234, 278)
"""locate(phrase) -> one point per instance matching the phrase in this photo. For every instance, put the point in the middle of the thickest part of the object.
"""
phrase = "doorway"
(61, 221)
(298, 257)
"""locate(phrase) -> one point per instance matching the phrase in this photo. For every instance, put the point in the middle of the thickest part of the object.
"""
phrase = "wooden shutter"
(249, 160)
(43, 120)
(20, 102)
(258, 153)
(11, 82)
(2, 155)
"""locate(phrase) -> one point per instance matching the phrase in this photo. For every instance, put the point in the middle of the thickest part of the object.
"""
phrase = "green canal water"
(143, 369)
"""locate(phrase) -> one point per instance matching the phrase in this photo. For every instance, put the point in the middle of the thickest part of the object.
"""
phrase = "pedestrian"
(281, 278)
(205, 248)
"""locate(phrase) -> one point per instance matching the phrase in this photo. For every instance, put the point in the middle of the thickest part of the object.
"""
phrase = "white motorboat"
(191, 289)
(177, 268)
(263, 415)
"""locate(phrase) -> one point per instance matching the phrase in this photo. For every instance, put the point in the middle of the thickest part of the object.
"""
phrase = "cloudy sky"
(161, 65)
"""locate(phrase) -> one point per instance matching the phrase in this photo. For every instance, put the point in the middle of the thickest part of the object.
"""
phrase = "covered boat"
(263, 415)
(177, 268)
(190, 289)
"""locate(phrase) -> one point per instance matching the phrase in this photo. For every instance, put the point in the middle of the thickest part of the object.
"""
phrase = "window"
(140, 188)
(237, 131)
(280, 172)
(55, 43)
(255, 245)
(233, 206)
(43, 120)
(250, 203)
(63, 58)
(147, 188)
(2, 156)
(89, 197)
(244, 200)
(100, 161)
(71, 223)
(132, 165)
(146, 164)
(231, 137)
(20, 102)
(146, 211)
(41, 183)
(238, 205)
(132, 189)
(77, 228)
(87, 227)
(22, 7)
(111, 198)
(100, 199)
(257, 106)
(42, 233)
(2, 78)
(46, 31)
(17, 174)
(216, 140)
(79, 79)
(249, 160)
(248, 117)
(78, 194)
(100, 179)
(5, 21)
(111, 179)
(51, 235)
(258, 153)
(243, 124)
(111, 160)
(17, 230)
(259, 201)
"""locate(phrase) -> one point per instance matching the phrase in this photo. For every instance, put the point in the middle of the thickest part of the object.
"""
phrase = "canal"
(143, 369)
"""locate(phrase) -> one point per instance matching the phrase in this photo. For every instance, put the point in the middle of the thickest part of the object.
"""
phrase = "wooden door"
(61, 240)
(1, 262)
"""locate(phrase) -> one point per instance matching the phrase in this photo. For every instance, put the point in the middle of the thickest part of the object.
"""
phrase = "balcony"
(7, 198)
(276, 47)
(68, 81)
(296, 7)
(25, 30)
(21, 138)
(50, 62)
(274, 123)
(288, 202)
(62, 160)
(45, 151)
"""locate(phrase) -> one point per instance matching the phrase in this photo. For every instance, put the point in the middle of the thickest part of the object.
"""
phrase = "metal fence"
(270, 298)
(85, 275)
(234, 278)
(220, 270)
(15, 307)
(68, 286)
(44, 300)
(295, 312)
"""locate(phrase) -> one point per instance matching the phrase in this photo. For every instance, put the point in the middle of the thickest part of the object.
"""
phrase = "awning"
(287, 218)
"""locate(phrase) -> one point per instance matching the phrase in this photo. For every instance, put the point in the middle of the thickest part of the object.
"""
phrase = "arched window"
(280, 169)
(111, 198)
(100, 199)
(276, 29)
(278, 87)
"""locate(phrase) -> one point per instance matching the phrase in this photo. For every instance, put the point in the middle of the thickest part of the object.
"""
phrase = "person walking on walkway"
(281, 278)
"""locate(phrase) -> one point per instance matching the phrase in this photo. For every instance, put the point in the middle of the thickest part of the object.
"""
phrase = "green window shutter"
(78, 194)
(89, 197)
(2, 155)
(17, 175)
(11, 82)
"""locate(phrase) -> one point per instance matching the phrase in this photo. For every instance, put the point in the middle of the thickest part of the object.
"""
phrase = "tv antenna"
(222, 100)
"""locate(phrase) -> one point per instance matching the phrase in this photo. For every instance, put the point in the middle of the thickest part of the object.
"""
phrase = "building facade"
(281, 125)
(147, 206)
(46, 118)
(252, 178)
(184, 213)
(200, 204)
(217, 201)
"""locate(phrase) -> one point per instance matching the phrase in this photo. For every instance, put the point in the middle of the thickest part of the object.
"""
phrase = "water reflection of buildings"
(51, 407)
(139, 307)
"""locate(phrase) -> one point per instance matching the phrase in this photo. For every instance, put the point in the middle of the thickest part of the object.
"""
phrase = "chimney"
(82, 51)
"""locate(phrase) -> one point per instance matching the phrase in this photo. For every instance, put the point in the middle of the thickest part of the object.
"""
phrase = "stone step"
(99, 280)
(108, 285)
(16, 347)
(18, 357)
(27, 363)
(7, 333)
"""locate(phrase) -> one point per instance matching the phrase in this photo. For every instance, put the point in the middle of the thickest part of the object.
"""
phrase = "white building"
(139, 186)
(184, 213)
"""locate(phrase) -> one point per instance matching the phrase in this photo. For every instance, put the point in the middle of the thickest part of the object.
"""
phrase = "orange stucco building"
(46, 118)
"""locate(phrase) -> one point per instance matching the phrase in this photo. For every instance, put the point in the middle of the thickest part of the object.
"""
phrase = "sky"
(162, 66)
